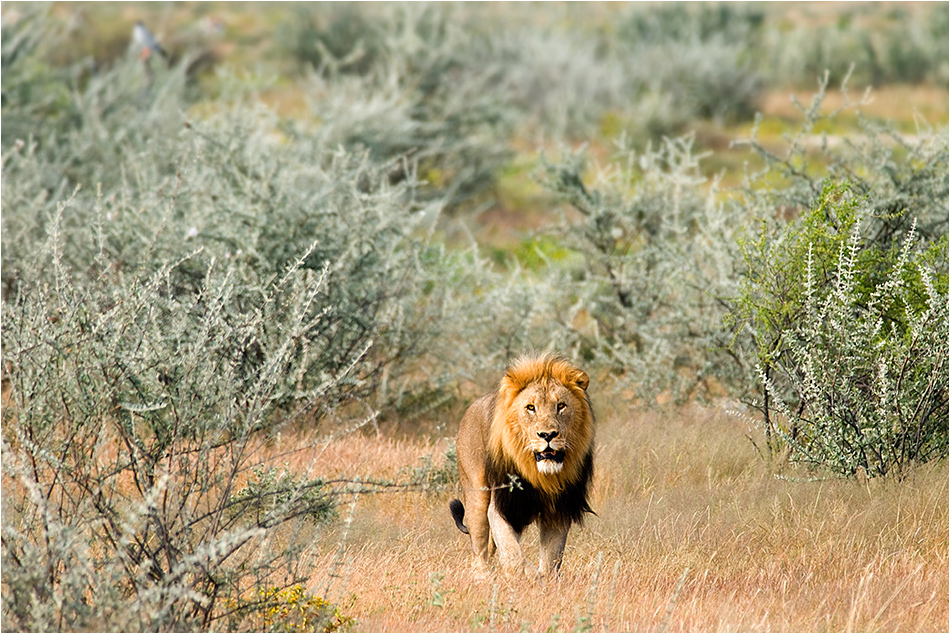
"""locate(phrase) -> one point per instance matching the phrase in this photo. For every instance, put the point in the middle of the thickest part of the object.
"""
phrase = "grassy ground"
(693, 532)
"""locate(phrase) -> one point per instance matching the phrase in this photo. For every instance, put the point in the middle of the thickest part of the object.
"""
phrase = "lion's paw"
(480, 570)
(521, 570)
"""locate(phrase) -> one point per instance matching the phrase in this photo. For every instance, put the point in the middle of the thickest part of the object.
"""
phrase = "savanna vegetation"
(249, 287)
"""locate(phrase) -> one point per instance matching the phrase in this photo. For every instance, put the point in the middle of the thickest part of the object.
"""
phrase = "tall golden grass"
(693, 533)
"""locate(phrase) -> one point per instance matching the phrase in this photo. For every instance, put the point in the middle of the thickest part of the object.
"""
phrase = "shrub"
(895, 172)
(692, 61)
(225, 189)
(210, 283)
(29, 80)
(901, 46)
(481, 318)
(902, 181)
(436, 79)
(426, 90)
(133, 413)
(142, 392)
(335, 38)
(648, 71)
(655, 295)
(657, 253)
(563, 81)
(853, 340)
(291, 609)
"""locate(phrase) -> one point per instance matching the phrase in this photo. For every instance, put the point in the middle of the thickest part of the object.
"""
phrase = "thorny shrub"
(289, 609)
(176, 292)
(853, 340)
(887, 192)
(657, 258)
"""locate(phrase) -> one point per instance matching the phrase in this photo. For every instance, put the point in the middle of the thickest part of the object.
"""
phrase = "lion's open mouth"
(550, 454)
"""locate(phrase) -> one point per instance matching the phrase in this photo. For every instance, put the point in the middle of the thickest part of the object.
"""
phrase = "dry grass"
(692, 533)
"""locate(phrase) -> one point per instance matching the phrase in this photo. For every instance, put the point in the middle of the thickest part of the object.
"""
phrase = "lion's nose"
(547, 435)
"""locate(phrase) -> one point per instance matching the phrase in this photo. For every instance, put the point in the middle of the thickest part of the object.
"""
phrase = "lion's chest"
(521, 503)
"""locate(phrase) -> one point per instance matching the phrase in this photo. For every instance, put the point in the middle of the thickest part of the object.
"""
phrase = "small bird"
(146, 42)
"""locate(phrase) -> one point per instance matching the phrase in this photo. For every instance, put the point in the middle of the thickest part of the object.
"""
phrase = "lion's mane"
(509, 453)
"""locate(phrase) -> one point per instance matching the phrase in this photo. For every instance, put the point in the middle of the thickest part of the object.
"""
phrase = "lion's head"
(543, 421)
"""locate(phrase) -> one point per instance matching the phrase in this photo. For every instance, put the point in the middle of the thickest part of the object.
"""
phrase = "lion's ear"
(582, 380)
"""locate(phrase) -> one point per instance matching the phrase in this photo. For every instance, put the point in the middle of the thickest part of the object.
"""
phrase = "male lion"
(526, 454)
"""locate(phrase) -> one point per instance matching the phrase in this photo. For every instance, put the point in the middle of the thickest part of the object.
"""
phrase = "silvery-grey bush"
(418, 85)
(658, 257)
(910, 47)
(178, 291)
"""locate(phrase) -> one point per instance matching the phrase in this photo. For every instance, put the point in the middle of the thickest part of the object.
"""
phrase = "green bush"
(852, 336)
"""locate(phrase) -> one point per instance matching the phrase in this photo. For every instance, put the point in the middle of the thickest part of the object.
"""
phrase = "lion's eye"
(561, 406)
(529, 407)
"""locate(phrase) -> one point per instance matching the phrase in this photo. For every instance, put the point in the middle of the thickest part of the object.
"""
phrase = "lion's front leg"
(553, 538)
(508, 542)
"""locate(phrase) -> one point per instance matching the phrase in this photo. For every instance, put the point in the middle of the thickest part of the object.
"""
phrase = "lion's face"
(546, 414)
(543, 421)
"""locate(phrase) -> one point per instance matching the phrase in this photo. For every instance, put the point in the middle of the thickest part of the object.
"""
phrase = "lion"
(526, 455)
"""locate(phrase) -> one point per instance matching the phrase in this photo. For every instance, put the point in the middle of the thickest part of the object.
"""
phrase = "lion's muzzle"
(550, 461)
(555, 455)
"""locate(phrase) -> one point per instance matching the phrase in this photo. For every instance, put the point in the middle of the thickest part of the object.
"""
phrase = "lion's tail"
(458, 513)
